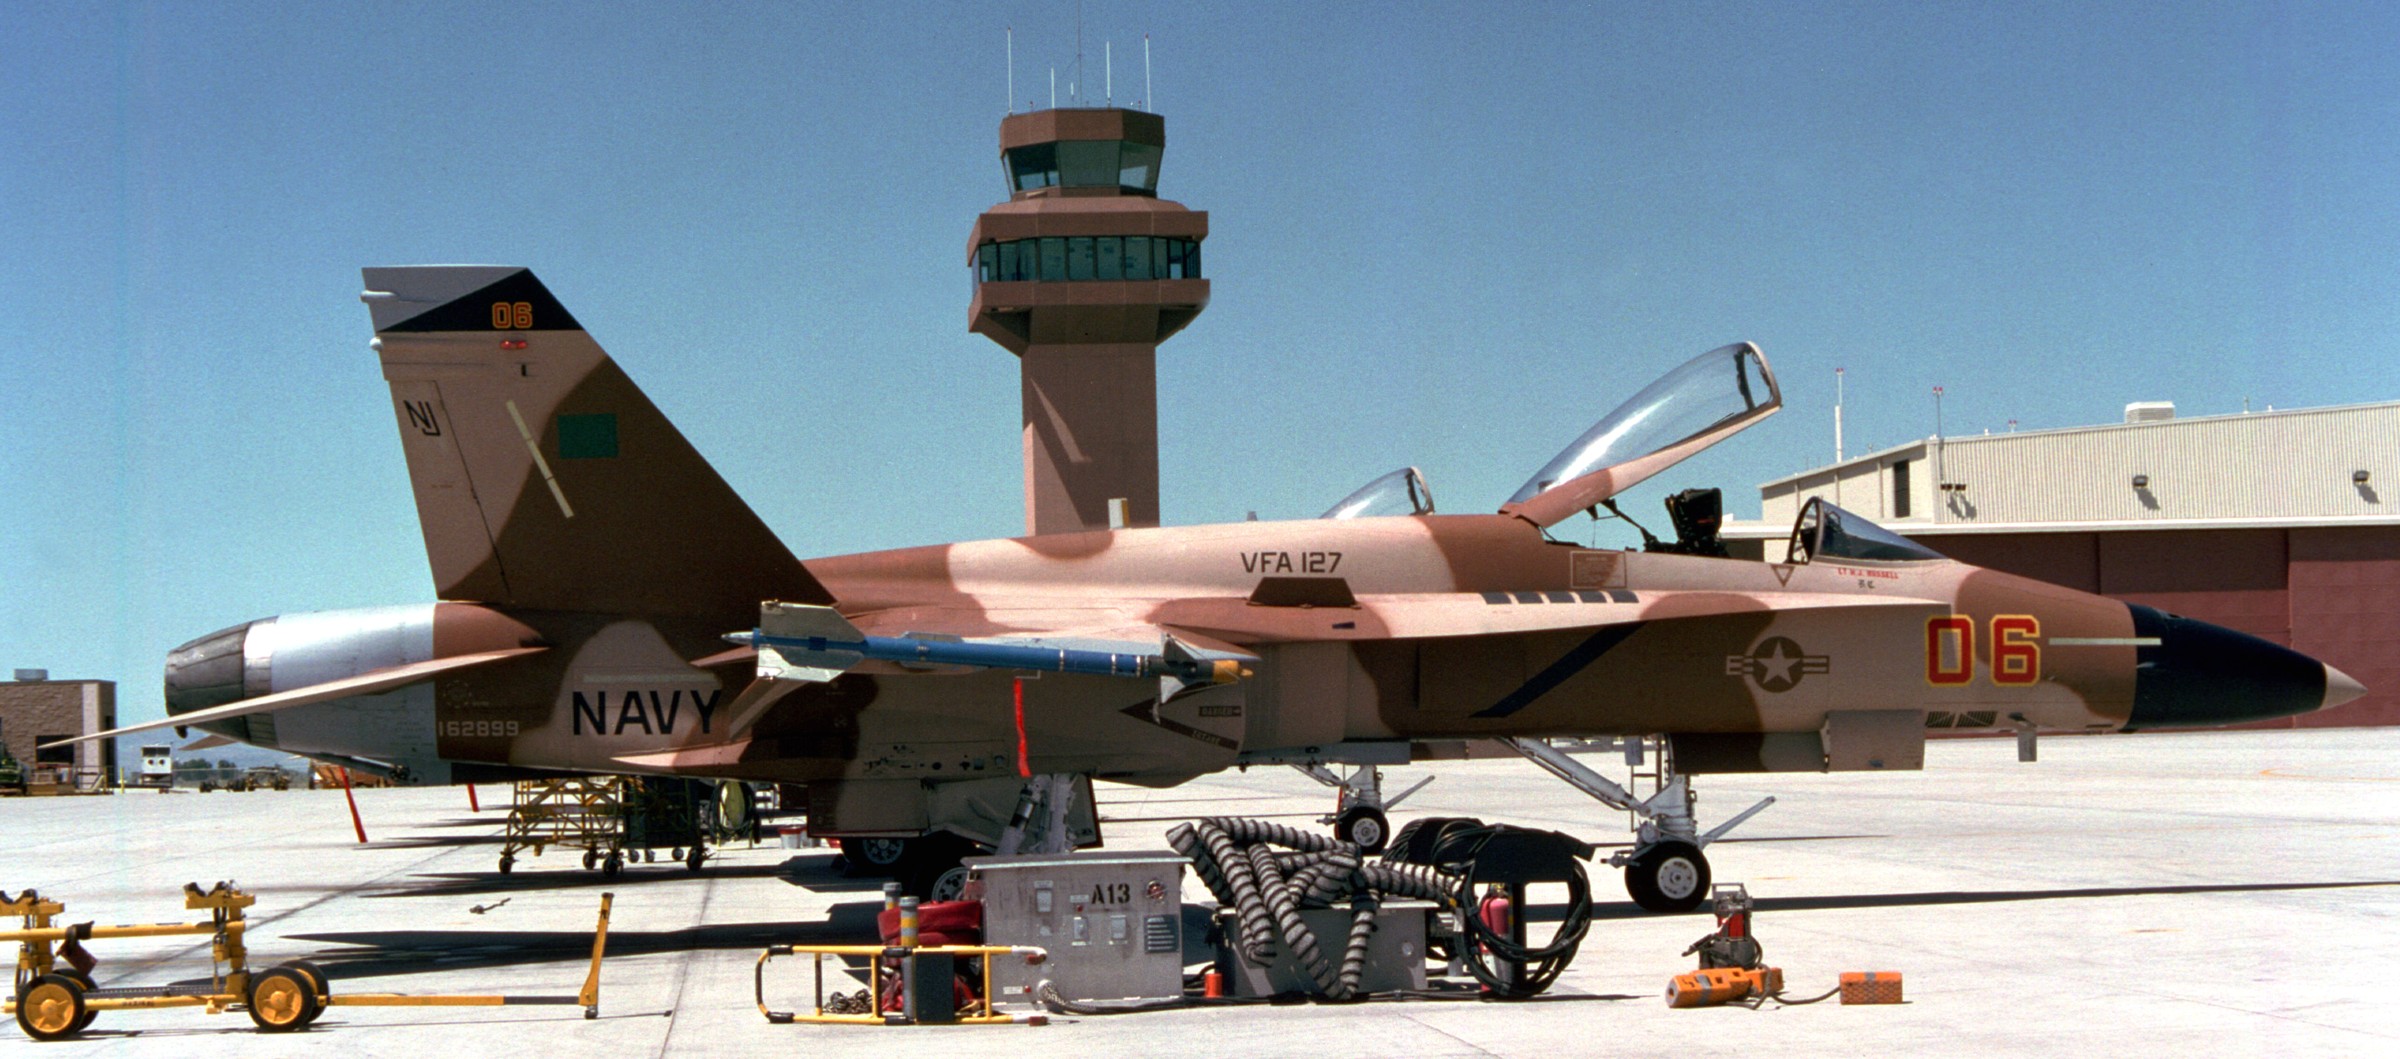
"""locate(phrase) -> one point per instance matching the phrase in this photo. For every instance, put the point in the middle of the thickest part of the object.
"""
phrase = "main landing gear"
(1665, 871)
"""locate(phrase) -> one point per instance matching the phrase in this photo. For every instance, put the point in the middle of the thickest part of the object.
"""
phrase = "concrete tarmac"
(2219, 894)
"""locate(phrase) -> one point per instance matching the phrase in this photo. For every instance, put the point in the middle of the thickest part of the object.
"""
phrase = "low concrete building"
(2281, 524)
(35, 709)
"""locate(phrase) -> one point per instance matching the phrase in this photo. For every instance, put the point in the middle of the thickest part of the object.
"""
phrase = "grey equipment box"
(1395, 953)
(1112, 922)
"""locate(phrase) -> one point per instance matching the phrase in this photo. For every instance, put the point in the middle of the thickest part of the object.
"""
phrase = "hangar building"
(2282, 524)
(35, 709)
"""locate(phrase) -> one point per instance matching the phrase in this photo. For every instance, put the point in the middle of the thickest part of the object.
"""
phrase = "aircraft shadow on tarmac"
(384, 953)
(815, 872)
(1629, 910)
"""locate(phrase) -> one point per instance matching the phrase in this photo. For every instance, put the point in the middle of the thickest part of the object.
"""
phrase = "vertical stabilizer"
(544, 478)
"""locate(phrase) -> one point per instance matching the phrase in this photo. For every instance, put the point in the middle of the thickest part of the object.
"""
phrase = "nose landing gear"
(1665, 871)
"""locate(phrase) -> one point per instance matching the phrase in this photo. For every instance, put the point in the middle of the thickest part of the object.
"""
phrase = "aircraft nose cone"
(2339, 688)
(2200, 675)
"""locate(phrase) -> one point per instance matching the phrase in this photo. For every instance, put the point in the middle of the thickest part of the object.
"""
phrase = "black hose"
(1257, 932)
(1354, 958)
(1539, 966)
(1245, 829)
(1187, 842)
(1296, 936)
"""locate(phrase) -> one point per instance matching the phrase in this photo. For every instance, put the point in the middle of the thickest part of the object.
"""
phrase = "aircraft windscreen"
(1402, 492)
(1710, 391)
(1825, 531)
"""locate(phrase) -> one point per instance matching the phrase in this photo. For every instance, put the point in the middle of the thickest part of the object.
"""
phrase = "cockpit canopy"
(1708, 399)
(1402, 492)
(1825, 531)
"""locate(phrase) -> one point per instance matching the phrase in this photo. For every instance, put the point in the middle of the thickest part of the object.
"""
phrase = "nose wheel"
(1365, 826)
(1668, 877)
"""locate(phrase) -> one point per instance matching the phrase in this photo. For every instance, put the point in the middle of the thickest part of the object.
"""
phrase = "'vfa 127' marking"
(1288, 562)
(654, 712)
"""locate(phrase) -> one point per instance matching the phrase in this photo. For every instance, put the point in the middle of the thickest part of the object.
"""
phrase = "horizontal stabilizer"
(373, 682)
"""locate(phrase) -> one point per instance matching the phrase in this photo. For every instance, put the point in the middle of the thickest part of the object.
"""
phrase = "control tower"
(1081, 274)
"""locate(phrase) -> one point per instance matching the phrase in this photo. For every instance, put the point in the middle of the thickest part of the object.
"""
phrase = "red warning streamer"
(355, 822)
(1024, 762)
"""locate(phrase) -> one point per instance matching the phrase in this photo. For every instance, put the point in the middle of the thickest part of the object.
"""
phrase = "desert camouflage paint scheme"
(591, 564)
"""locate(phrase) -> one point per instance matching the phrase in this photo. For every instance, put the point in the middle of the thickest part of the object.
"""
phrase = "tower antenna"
(1108, 73)
(1012, 69)
(1075, 85)
(1148, 103)
(1054, 88)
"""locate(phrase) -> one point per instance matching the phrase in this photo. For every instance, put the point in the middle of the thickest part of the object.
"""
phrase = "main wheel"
(1668, 877)
(882, 856)
(949, 886)
(612, 865)
(1364, 826)
(695, 858)
(508, 863)
(51, 1008)
(591, 857)
(282, 999)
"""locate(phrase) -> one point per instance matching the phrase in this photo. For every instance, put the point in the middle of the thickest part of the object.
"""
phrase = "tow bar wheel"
(282, 999)
(51, 1008)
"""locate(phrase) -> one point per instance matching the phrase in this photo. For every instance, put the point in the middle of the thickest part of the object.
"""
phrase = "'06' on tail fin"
(543, 477)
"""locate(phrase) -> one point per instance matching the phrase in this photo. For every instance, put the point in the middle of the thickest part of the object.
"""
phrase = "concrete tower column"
(1081, 274)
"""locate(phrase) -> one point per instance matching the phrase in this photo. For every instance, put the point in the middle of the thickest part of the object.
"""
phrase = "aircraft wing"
(371, 682)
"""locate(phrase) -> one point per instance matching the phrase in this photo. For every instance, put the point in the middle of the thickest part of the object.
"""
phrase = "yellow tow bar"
(55, 1003)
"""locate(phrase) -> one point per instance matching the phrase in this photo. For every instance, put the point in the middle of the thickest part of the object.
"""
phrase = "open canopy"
(1706, 400)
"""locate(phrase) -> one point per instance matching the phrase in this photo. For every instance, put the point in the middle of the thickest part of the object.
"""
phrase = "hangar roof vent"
(2149, 411)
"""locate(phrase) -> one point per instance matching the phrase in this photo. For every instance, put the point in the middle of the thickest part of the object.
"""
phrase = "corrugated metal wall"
(2294, 464)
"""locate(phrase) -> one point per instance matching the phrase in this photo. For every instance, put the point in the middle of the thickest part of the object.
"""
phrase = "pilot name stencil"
(1291, 562)
(654, 712)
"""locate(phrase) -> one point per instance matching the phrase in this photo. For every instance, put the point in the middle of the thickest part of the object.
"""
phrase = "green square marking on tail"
(587, 437)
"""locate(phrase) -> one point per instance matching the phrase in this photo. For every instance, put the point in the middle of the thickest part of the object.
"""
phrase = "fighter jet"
(605, 603)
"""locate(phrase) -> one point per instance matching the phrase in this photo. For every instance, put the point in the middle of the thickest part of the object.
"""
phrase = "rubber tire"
(76, 1011)
(611, 865)
(880, 856)
(279, 982)
(591, 858)
(948, 886)
(1668, 877)
(1359, 819)
(317, 978)
(507, 864)
(693, 860)
(88, 985)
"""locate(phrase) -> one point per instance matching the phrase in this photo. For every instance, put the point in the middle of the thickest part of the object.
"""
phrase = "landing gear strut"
(1359, 807)
(1665, 870)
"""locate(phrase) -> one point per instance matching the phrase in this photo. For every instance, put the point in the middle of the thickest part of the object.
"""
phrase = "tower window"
(1900, 489)
(1129, 167)
(1106, 257)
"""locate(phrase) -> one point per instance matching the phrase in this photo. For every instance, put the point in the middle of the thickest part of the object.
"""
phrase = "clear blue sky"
(1447, 235)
